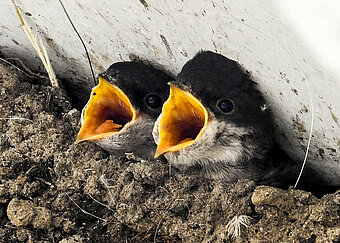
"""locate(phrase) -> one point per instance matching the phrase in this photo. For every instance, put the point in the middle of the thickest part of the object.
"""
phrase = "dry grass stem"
(38, 46)
(106, 185)
(84, 211)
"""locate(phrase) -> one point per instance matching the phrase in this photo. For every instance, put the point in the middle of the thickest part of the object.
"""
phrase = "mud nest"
(54, 191)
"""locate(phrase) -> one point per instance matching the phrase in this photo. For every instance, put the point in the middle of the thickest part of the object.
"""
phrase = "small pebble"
(20, 212)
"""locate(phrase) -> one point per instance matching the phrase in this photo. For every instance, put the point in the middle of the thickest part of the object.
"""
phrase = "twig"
(10, 140)
(20, 70)
(29, 73)
(100, 203)
(15, 118)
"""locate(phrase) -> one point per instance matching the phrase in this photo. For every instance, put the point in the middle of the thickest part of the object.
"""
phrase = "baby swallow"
(122, 109)
(213, 122)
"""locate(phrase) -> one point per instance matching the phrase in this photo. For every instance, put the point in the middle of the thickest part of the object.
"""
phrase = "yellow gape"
(183, 121)
(107, 112)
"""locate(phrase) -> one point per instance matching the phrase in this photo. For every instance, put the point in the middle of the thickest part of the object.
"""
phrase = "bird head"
(213, 119)
(123, 107)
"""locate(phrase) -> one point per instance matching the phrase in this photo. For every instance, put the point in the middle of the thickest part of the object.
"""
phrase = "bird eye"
(225, 106)
(153, 101)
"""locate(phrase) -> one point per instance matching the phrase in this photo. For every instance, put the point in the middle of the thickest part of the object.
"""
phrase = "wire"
(87, 53)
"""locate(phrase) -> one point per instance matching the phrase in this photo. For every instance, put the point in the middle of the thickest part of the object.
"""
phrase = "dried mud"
(52, 190)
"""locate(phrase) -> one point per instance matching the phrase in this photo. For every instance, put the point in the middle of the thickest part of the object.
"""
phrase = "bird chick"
(122, 109)
(213, 122)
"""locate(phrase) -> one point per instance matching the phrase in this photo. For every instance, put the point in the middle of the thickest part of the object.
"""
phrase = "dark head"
(145, 86)
(213, 119)
(123, 108)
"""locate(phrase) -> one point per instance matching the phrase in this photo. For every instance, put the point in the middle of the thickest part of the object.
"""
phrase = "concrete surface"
(168, 33)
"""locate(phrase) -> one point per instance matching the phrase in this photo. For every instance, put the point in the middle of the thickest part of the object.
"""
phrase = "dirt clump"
(52, 190)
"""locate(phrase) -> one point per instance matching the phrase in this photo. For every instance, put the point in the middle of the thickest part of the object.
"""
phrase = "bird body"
(235, 138)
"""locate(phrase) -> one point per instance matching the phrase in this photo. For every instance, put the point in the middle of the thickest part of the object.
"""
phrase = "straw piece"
(40, 49)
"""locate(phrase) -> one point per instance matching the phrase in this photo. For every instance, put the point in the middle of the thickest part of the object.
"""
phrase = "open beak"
(182, 123)
(107, 112)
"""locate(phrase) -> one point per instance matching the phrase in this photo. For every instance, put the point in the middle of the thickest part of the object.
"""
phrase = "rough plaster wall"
(168, 33)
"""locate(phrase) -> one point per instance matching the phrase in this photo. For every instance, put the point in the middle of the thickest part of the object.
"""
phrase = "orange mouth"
(182, 123)
(107, 112)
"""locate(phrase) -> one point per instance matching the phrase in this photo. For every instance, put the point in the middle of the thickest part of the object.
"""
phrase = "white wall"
(266, 37)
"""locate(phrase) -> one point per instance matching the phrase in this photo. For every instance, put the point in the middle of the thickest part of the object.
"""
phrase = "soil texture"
(52, 190)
